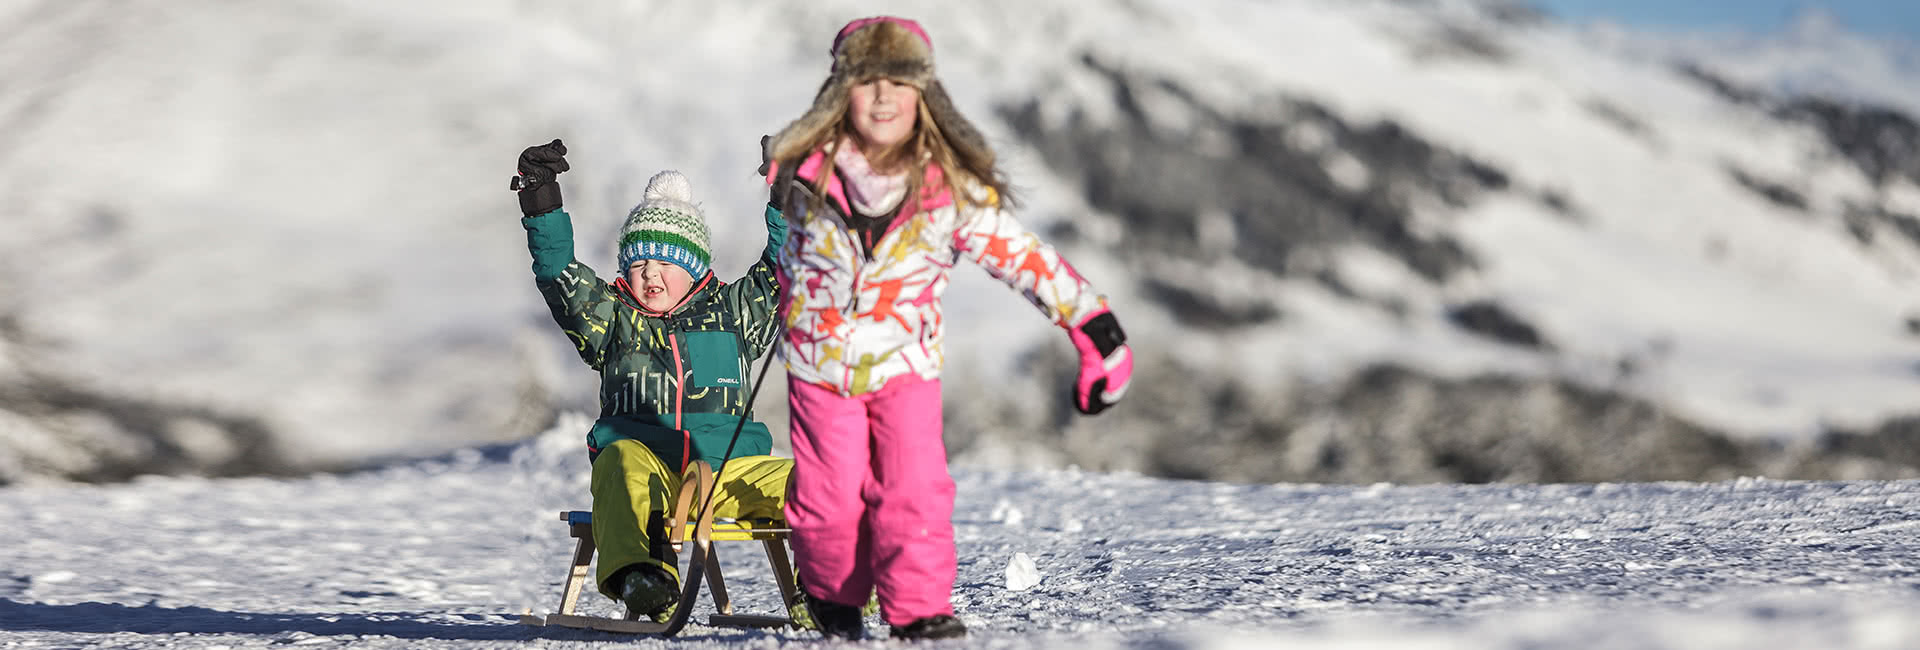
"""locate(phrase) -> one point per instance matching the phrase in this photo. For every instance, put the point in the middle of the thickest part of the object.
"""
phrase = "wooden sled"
(702, 562)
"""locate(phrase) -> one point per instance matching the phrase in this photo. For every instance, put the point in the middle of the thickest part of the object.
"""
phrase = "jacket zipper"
(861, 252)
(859, 261)
(679, 398)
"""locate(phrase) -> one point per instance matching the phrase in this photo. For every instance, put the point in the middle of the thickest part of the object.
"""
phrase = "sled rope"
(752, 395)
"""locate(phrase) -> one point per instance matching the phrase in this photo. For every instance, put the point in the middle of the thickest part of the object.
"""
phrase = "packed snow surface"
(444, 553)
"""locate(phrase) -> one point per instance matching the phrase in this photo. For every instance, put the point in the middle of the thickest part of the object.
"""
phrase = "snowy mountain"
(1352, 241)
(444, 553)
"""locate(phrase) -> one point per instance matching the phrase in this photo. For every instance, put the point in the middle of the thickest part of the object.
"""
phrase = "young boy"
(672, 346)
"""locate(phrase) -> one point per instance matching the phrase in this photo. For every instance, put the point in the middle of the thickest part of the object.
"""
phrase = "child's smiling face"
(883, 112)
(659, 284)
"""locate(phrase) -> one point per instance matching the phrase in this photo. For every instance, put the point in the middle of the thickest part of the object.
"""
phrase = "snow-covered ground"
(442, 553)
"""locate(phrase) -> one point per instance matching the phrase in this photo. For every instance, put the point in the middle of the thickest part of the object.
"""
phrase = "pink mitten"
(1106, 364)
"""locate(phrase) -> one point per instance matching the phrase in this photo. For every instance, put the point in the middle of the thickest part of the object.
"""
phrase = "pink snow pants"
(872, 502)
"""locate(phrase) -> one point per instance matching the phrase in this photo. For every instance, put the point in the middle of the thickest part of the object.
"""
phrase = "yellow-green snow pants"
(633, 491)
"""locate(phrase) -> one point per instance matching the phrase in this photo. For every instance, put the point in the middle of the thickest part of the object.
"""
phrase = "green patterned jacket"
(679, 383)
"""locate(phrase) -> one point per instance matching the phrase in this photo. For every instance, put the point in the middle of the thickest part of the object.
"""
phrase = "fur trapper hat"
(890, 47)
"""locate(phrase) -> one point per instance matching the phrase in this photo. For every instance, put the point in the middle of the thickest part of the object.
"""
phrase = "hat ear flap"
(794, 142)
(969, 147)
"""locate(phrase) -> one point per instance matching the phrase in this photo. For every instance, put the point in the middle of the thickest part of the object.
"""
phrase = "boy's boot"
(937, 626)
(649, 591)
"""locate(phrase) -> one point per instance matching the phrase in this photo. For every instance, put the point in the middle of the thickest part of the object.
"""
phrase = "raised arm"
(580, 302)
(756, 295)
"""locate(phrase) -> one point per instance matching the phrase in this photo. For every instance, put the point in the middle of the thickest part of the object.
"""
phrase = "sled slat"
(605, 624)
(747, 620)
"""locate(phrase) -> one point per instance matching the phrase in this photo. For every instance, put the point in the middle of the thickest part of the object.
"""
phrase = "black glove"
(537, 183)
(765, 158)
(782, 182)
(774, 193)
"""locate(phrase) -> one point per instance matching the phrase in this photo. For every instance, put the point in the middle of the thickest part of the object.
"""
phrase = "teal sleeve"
(550, 241)
(776, 233)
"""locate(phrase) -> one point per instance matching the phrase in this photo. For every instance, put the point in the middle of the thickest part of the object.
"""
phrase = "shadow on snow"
(105, 618)
(112, 618)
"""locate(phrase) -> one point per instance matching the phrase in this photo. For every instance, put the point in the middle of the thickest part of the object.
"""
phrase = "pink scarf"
(870, 193)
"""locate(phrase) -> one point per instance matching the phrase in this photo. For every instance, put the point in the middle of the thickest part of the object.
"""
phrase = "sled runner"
(702, 562)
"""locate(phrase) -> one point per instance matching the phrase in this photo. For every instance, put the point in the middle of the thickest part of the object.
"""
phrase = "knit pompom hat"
(893, 48)
(667, 226)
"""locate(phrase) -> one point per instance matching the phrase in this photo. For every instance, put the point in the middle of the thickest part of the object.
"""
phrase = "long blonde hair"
(927, 145)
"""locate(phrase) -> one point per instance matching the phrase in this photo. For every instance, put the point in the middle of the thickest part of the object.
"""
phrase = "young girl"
(672, 346)
(888, 188)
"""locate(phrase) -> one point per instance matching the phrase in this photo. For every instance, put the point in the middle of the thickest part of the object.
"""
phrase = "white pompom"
(669, 184)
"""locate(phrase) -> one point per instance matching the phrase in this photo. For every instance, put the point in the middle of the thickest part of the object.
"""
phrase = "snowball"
(1021, 573)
